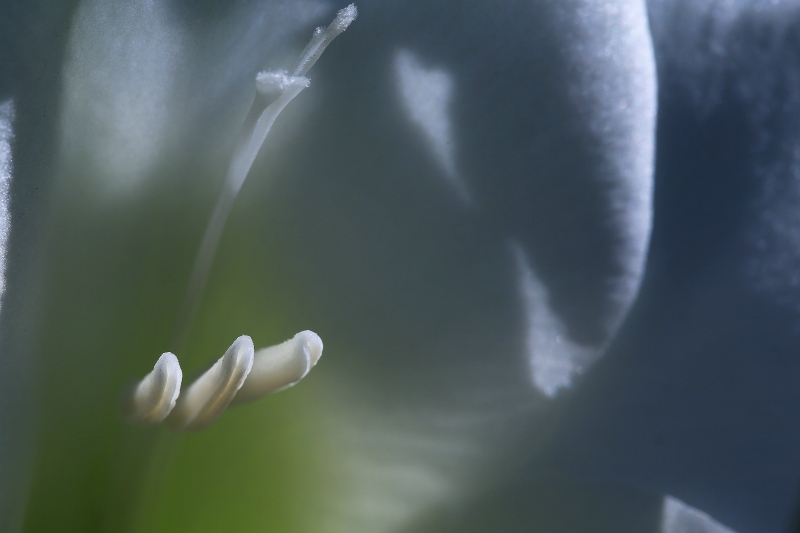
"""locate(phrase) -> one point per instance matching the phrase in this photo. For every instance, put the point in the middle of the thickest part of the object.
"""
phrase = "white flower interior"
(241, 374)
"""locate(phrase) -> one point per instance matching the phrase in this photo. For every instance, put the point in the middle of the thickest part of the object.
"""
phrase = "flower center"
(242, 373)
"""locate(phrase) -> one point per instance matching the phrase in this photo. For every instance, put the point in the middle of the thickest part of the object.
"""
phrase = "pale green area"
(115, 277)
(249, 471)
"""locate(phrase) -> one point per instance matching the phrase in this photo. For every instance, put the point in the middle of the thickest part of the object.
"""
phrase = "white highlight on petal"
(281, 366)
(614, 67)
(6, 169)
(322, 37)
(154, 397)
(121, 70)
(554, 359)
(677, 517)
(427, 95)
(205, 399)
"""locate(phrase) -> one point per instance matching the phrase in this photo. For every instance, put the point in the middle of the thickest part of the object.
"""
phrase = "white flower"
(460, 205)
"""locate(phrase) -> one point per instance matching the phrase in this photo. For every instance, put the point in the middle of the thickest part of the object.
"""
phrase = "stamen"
(281, 366)
(155, 398)
(323, 37)
(210, 394)
(152, 399)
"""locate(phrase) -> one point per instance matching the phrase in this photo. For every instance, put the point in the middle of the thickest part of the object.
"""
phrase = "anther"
(150, 400)
(281, 366)
(209, 395)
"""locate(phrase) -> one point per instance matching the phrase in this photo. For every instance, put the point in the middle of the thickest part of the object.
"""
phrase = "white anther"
(321, 38)
(210, 394)
(279, 367)
(152, 399)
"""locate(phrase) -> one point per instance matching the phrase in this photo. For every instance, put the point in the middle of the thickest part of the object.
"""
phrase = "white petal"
(427, 94)
(678, 517)
(119, 91)
(553, 357)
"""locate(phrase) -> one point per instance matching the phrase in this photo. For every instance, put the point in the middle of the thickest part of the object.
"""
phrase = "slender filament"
(237, 172)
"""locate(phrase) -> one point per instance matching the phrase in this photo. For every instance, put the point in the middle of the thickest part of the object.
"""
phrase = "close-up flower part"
(150, 400)
(281, 366)
(208, 396)
(551, 247)
(155, 396)
(6, 137)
